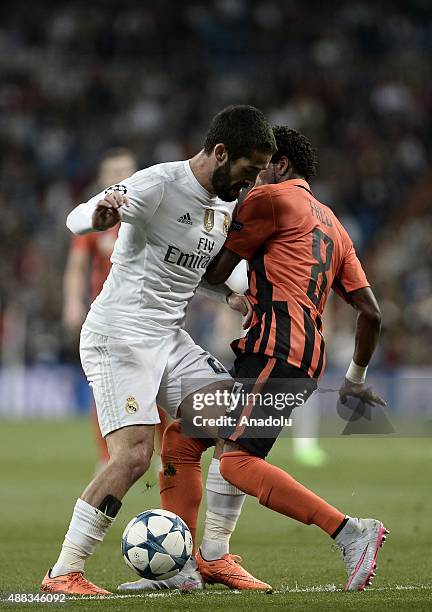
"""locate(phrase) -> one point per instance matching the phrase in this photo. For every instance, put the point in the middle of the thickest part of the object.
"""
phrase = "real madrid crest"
(209, 217)
(226, 224)
(131, 405)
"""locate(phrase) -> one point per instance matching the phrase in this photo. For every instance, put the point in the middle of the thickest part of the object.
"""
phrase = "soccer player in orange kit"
(297, 251)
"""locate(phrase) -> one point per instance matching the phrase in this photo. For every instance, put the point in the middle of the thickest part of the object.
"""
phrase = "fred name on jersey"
(211, 234)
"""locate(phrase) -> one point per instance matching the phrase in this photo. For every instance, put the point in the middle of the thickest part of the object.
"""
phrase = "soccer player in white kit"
(134, 350)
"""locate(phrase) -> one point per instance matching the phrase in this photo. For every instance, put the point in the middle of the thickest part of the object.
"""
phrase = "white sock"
(224, 504)
(88, 526)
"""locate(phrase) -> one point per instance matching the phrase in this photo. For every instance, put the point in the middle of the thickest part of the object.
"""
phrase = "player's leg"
(182, 471)
(130, 454)
(103, 454)
(181, 492)
(130, 449)
(214, 560)
(243, 464)
(181, 456)
(159, 432)
(125, 399)
(224, 505)
(202, 376)
(359, 539)
(191, 373)
(224, 501)
(180, 475)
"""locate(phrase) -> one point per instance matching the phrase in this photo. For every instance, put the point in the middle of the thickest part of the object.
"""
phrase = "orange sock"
(278, 490)
(180, 479)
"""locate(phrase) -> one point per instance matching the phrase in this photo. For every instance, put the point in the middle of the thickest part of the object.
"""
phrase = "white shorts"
(131, 378)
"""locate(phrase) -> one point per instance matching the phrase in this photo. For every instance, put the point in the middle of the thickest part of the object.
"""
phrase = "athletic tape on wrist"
(356, 374)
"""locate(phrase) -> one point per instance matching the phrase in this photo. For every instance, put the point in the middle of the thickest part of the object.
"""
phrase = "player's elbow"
(79, 221)
(70, 223)
(366, 304)
(372, 313)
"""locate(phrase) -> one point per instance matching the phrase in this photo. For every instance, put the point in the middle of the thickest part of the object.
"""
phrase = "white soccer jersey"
(170, 231)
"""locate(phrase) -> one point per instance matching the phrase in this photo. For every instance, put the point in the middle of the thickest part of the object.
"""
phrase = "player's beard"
(221, 181)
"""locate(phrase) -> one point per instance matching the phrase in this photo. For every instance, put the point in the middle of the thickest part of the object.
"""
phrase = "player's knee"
(230, 469)
(263, 493)
(235, 467)
(140, 463)
(179, 448)
(135, 461)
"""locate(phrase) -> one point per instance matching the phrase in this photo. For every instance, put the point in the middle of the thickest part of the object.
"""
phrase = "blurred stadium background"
(78, 78)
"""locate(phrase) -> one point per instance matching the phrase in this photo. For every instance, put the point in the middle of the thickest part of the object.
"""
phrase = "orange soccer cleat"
(71, 584)
(227, 570)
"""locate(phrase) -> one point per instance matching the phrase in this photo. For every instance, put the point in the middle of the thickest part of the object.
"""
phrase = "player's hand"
(362, 392)
(107, 211)
(242, 305)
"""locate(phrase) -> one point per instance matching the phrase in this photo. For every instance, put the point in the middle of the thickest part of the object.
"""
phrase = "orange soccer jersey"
(297, 251)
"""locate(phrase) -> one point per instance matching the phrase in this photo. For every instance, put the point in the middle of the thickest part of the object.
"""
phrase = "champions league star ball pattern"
(156, 544)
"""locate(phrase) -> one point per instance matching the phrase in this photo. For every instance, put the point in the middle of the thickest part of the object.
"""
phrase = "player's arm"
(133, 201)
(236, 282)
(231, 292)
(368, 329)
(222, 266)
(254, 223)
(75, 288)
(368, 325)
(98, 214)
(352, 285)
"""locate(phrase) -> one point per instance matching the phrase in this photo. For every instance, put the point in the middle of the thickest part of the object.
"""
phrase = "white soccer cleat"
(359, 542)
(188, 579)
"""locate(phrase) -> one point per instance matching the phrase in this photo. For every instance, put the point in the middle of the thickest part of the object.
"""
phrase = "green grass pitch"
(45, 466)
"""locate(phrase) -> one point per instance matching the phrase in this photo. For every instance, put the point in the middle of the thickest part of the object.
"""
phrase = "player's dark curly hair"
(242, 129)
(297, 148)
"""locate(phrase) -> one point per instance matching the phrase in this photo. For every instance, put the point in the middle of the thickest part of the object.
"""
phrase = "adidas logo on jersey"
(186, 218)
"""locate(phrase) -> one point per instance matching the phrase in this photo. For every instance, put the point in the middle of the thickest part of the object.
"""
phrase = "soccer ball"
(156, 544)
